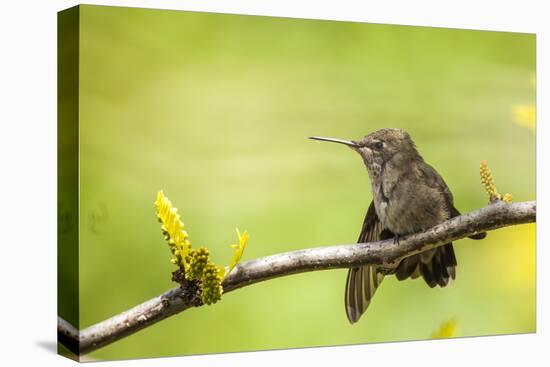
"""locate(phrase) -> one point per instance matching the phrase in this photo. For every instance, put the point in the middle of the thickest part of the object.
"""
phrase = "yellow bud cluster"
(196, 261)
(487, 181)
(194, 264)
(211, 284)
(489, 184)
(507, 198)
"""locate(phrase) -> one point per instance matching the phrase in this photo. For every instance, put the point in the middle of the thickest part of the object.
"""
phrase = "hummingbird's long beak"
(333, 140)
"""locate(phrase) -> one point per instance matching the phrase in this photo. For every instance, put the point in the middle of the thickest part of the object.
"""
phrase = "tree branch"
(382, 253)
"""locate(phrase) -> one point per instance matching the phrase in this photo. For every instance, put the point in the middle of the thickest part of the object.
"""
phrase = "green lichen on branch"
(194, 265)
(489, 184)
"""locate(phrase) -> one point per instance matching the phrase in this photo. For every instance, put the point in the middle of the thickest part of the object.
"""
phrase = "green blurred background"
(215, 110)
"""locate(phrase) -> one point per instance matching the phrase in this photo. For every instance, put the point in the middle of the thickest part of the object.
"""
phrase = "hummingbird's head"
(381, 146)
(386, 144)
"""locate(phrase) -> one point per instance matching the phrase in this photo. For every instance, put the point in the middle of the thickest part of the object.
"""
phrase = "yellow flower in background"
(526, 115)
(447, 329)
(517, 255)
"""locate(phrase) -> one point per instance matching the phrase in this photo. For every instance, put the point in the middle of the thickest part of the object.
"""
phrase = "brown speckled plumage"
(408, 196)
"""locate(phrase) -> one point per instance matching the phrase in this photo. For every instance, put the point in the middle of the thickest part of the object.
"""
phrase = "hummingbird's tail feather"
(436, 266)
(361, 284)
(363, 281)
(478, 236)
(408, 268)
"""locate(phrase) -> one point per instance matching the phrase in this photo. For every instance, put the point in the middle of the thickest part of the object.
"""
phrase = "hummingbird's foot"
(396, 239)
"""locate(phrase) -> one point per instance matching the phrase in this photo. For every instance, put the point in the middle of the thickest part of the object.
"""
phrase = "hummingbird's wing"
(433, 179)
(438, 265)
(362, 282)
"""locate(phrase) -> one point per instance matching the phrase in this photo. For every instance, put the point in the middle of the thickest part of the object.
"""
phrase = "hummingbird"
(408, 196)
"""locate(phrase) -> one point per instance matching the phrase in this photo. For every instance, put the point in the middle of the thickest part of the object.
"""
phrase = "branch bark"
(381, 253)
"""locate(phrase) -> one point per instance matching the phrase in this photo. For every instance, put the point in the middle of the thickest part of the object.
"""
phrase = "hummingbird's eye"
(378, 145)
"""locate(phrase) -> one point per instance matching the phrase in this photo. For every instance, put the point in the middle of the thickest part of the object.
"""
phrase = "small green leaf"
(238, 249)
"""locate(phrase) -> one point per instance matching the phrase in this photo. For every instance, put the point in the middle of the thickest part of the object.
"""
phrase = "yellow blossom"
(173, 229)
